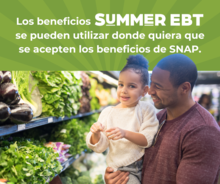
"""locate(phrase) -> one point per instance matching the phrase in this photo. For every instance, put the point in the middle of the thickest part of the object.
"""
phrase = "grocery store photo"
(45, 116)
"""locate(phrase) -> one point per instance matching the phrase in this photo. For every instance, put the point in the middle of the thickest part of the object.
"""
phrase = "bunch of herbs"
(27, 161)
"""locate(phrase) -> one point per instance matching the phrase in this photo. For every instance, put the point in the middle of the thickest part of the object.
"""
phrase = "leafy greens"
(27, 162)
(73, 132)
(61, 92)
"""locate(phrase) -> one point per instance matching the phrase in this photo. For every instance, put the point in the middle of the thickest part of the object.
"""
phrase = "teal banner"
(101, 34)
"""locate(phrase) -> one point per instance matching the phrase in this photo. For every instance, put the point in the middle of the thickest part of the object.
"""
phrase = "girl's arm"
(96, 128)
(136, 138)
(96, 139)
(100, 146)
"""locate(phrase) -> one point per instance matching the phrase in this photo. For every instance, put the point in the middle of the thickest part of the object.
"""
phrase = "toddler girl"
(128, 127)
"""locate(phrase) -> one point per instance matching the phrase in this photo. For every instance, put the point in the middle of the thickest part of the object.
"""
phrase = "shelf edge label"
(21, 127)
(50, 120)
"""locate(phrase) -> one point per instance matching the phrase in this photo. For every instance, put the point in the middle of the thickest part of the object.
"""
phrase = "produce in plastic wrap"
(27, 88)
(9, 93)
(4, 112)
(66, 146)
(67, 155)
(62, 159)
(21, 113)
(35, 97)
(61, 149)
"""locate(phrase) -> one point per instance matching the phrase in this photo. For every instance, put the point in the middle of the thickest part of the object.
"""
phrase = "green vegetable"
(27, 162)
(75, 176)
(61, 92)
(74, 181)
(99, 180)
(94, 102)
(74, 134)
(21, 80)
(66, 180)
(84, 180)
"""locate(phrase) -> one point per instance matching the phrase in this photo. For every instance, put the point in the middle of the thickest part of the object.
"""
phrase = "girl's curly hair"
(139, 64)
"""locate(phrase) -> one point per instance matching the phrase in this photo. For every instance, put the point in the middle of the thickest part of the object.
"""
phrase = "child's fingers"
(116, 138)
(99, 126)
(110, 129)
(94, 127)
(112, 133)
(103, 127)
(93, 130)
(112, 136)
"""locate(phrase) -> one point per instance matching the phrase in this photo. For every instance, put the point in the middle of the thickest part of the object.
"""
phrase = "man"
(186, 149)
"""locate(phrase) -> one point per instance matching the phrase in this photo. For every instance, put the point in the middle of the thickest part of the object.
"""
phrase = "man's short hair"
(182, 69)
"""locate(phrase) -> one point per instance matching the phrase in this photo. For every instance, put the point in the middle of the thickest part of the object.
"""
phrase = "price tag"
(50, 120)
(63, 131)
(21, 127)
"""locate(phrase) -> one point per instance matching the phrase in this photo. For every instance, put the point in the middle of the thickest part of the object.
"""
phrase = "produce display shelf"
(66, 164)
(10, 129)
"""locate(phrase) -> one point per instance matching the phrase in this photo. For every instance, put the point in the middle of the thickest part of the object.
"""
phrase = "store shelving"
(10, 129)
(66, 164)
(7, 129)
(101, 76)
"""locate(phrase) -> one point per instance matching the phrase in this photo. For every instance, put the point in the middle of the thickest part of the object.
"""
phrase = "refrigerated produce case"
(12, 130)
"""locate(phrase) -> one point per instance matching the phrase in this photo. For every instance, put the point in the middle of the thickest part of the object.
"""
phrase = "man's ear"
(146, 88)
(185, 87)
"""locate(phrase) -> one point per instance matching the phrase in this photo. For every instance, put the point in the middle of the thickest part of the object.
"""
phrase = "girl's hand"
(96, 128)
(115, 133)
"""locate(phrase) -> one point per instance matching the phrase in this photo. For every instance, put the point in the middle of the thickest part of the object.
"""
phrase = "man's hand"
(96, 128)
(118, 177)
(115, 133)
